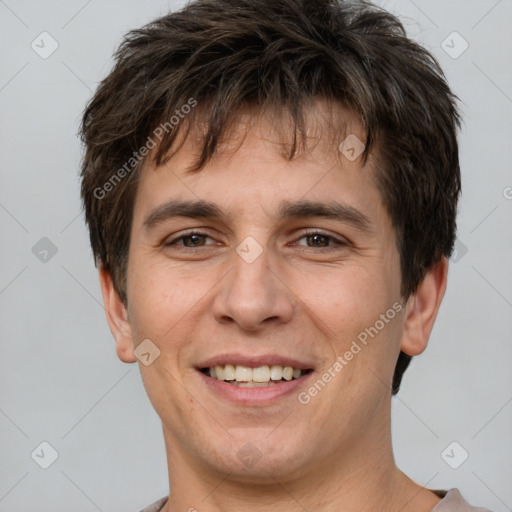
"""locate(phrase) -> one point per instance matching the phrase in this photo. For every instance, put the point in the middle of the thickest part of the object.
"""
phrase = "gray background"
(61, 381)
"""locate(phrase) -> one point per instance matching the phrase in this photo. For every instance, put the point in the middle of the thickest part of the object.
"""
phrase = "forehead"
(250, 168)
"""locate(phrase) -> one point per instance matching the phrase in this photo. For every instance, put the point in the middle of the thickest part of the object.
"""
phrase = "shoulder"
(157, 505)
(453, 501)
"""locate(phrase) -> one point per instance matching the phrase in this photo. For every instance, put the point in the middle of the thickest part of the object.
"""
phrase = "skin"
(296, 299)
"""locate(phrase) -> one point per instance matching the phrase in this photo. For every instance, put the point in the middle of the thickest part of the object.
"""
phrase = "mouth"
(254, 377)
(254, 380)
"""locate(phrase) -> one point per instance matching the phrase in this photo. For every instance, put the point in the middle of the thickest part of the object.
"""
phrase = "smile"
(261, 376)
(255, 380)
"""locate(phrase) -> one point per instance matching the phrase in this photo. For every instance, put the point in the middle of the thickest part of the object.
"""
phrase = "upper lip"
(255, 361)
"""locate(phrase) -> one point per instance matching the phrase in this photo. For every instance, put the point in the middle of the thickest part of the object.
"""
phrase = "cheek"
(160, 295)
(346, 299)
(166, 305)
(353, 307)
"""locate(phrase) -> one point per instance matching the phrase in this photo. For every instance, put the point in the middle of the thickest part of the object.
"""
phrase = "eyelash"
(338, 242)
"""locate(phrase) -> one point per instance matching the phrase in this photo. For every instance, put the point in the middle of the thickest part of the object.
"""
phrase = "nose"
(253, 295)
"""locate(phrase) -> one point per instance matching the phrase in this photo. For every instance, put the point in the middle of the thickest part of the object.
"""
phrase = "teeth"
(229, 372)
(276, 372)
(261, 374)
(218, 372)
(253, 384)
(245, 376)
(287, 373)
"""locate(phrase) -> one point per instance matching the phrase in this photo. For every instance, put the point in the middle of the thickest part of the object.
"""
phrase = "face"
(263, 285)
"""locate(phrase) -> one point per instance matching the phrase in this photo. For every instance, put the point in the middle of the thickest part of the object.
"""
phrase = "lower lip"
(254, 396)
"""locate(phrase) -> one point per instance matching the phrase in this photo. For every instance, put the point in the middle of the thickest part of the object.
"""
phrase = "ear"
(117, 317)
(421, 309)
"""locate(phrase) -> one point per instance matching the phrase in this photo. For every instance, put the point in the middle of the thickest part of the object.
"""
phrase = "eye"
(191, 239)
(319, 239)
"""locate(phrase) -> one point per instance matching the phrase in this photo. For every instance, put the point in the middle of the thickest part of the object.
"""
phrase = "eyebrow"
(301, 209)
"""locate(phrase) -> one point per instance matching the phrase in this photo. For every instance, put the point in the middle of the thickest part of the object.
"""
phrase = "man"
(271, 190)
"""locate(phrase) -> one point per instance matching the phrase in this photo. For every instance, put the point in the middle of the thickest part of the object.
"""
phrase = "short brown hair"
(226, 54)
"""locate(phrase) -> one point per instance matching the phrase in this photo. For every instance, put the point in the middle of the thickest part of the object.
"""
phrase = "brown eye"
(316, 239)
(191, 240)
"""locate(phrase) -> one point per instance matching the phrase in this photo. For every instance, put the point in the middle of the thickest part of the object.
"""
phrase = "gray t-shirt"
(452, 502)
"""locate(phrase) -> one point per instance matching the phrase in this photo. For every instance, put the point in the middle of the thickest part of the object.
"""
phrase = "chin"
(258, 459)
